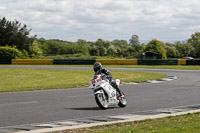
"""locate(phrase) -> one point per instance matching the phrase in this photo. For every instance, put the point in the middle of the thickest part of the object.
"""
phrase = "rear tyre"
(101, 100)
(122, 101)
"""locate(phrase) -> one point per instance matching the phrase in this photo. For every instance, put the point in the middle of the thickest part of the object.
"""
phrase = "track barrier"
(73, 62)
(157, 62)
(117, 61)
(32, 61)
(181, 61)
(193, 62)
(102, 61)
(5, 61)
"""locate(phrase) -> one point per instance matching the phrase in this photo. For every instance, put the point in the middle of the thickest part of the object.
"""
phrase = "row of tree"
(16, 37)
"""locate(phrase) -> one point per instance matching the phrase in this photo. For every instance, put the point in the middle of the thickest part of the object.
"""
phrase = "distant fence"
(102, 61)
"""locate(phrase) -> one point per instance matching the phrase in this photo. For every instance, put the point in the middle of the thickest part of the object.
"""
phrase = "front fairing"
(94, 81)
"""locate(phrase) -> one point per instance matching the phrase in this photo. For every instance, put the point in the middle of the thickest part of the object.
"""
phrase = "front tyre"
(101, 100)
(122, 101)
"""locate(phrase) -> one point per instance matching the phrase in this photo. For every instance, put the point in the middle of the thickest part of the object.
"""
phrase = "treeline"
(122, 48)
(16, 42)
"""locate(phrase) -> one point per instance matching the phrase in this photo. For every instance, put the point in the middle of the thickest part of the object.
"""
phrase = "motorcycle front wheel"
(101, 100)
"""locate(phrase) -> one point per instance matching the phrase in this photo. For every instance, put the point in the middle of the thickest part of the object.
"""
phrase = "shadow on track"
(88, 108)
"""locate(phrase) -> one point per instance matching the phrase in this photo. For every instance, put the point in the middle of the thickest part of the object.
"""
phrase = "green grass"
(188, 123)
(12, 79)
(183, 67)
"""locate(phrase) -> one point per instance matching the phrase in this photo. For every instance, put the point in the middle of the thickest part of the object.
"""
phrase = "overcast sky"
(165, 20)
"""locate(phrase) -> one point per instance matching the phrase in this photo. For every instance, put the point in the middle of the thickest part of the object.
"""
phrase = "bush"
(158, 47)
(10, 53)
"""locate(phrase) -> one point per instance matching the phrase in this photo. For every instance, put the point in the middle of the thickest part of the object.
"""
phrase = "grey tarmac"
(21, 108)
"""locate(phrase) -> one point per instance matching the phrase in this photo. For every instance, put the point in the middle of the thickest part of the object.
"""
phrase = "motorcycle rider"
(97, 67)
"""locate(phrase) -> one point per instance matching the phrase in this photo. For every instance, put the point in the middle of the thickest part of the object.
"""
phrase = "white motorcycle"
(105, 94)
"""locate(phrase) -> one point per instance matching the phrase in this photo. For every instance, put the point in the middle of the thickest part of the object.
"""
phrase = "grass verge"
(12, 79)
(188, 123)
(183, 67)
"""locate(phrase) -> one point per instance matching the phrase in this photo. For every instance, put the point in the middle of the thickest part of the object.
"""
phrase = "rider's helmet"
(97, 67)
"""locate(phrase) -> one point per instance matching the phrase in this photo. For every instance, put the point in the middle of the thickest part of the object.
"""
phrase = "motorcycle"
(105, 94)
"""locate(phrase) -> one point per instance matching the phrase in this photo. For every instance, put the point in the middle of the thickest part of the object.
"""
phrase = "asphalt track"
(21, 108)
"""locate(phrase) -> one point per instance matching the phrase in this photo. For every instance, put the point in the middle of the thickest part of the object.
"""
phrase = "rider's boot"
(119, 91)
(114, 84)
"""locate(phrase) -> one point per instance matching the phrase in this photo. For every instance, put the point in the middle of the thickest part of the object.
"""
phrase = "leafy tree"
(194, 39)
(136, 46)
(129, 51)
(172, 52)
(34, 50)
(94, 50)
(124, 42)
(13, 33)
(112, 51)
(156, 46)
(185, 49)
(103, 43)
(117, 42)
(121, 48)
(25, 54)
(81, 41)
(102, 50)
(137, 49)
(120, 43)
(197, 49)
(41, 40)
(102, 47)
(134, 39)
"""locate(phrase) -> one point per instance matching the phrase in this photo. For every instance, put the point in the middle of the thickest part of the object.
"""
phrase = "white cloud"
(107, 19)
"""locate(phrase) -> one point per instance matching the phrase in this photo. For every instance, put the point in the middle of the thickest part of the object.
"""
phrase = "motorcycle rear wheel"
(122, 101)
(101, 100)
